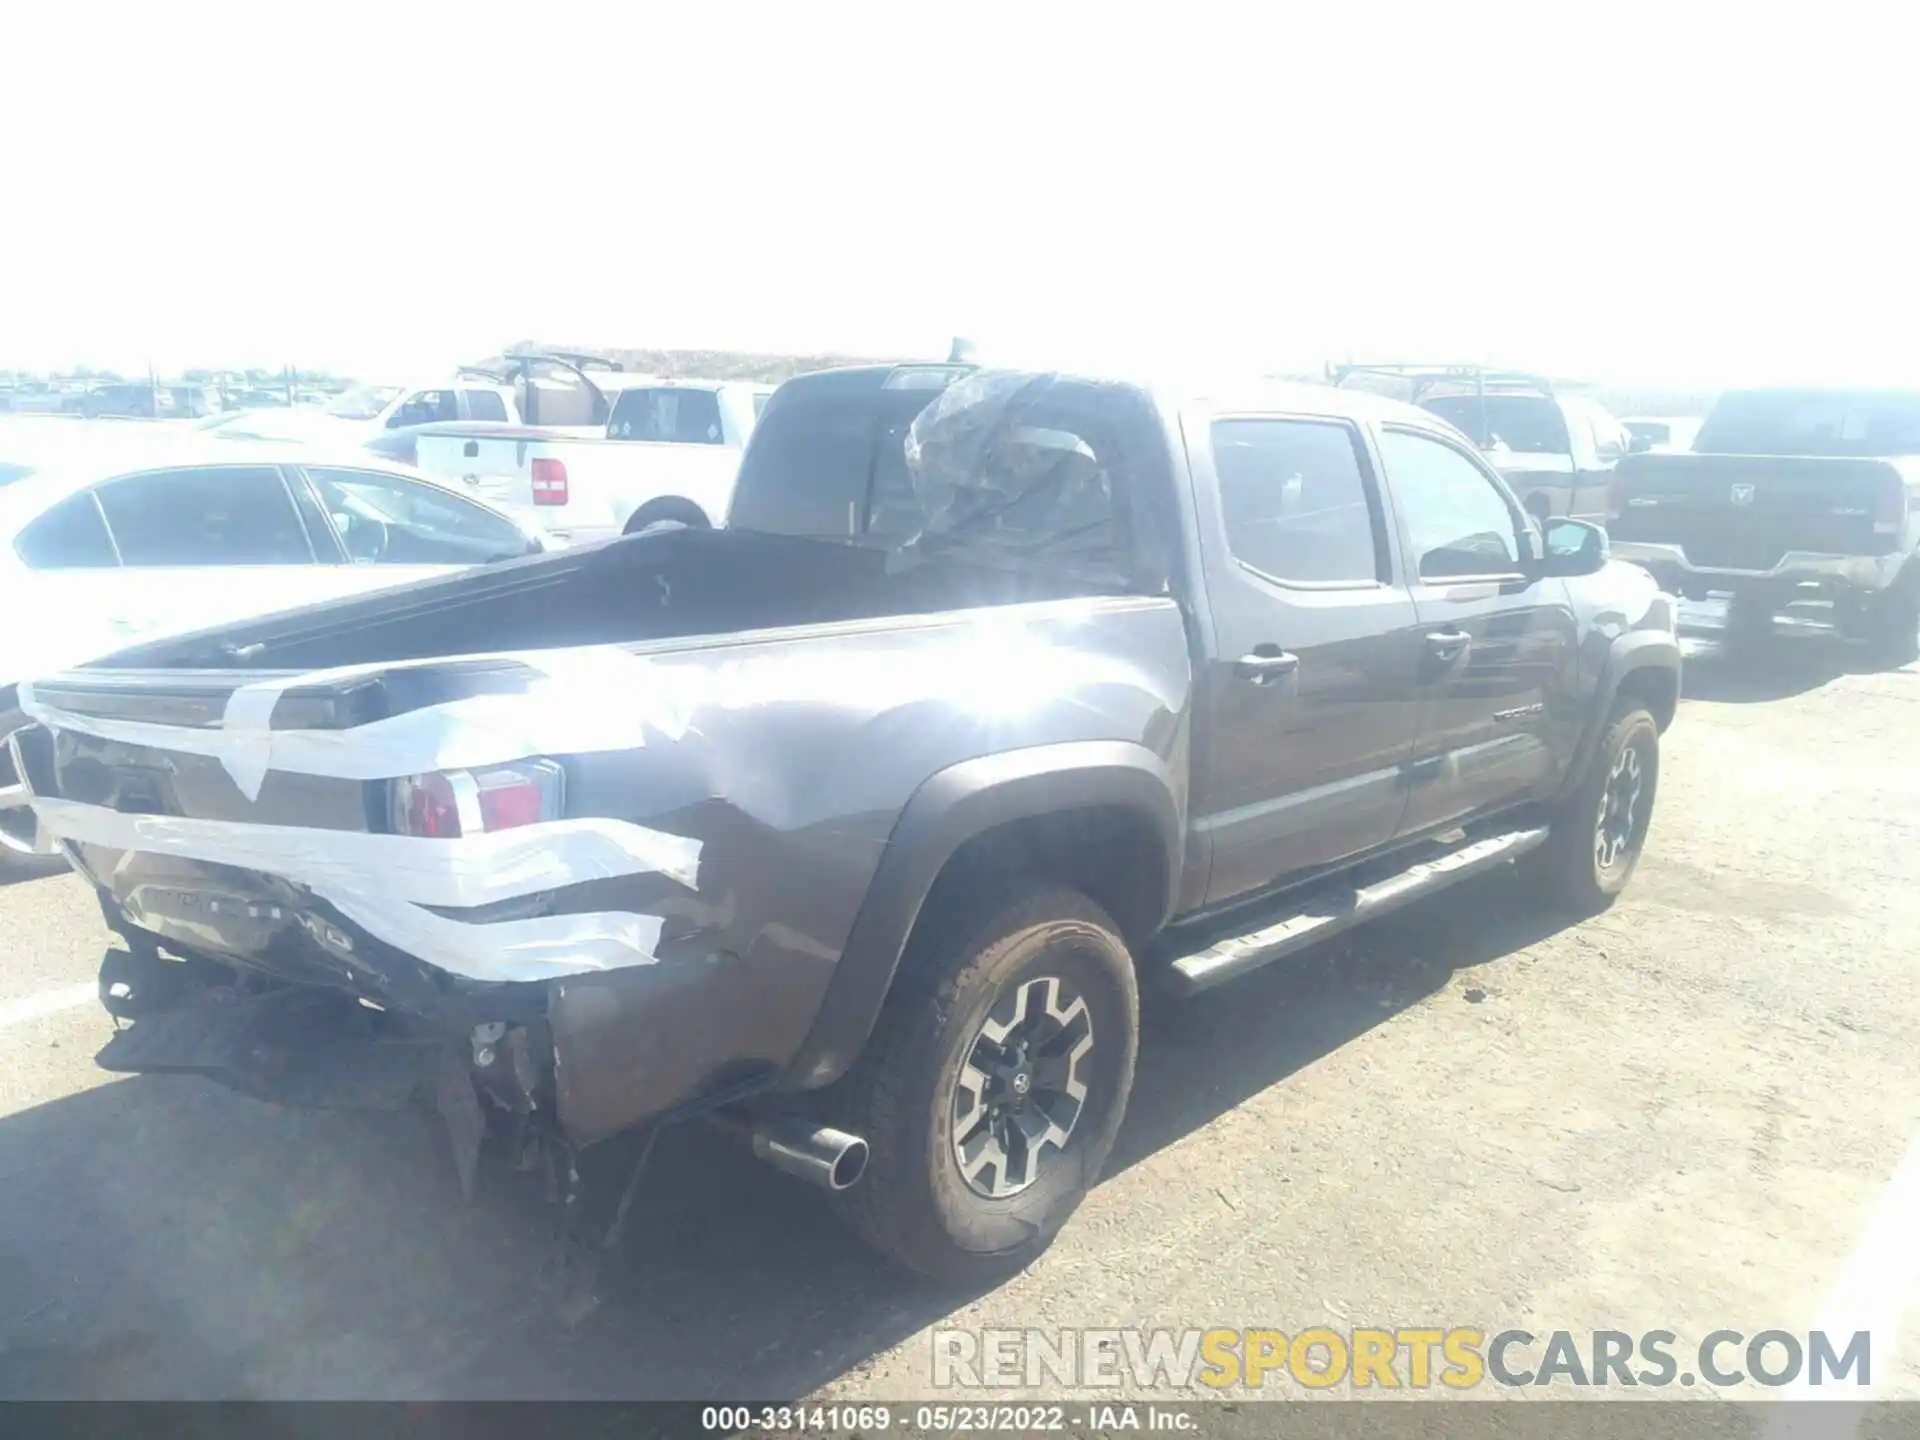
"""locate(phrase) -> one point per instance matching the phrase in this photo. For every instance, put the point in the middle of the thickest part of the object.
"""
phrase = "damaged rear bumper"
(313, 1048)
(1669, 564)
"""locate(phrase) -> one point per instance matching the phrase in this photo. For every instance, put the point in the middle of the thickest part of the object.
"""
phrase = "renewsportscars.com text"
(1402, 1357)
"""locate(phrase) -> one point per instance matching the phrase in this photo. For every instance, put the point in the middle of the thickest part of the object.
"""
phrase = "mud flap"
(459, 1107)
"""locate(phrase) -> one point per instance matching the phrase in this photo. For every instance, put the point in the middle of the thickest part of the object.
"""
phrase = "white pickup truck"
(669, 452)
(566, 393)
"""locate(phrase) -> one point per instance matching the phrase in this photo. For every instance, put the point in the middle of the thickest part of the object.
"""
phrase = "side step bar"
(1326, 912)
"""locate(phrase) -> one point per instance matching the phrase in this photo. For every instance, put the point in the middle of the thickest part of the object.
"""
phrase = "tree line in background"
(773, 368)
(769, 367)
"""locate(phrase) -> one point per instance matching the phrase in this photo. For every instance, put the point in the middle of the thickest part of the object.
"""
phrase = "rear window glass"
(70, 536)
(1527, 424)
(1813, 422)
(670, 416)
(1008, 469)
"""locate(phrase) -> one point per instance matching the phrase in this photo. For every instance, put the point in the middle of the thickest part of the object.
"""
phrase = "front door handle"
(1448, 644)
(1266, 664)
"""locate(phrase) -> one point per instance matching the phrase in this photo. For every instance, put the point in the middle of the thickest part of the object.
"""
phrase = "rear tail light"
(451, 803)
(1890, 513)
(1616, 495)
(549, 482)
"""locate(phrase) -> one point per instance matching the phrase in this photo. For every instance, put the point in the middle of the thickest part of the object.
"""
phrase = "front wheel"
(1596, 835)
(993, 1087)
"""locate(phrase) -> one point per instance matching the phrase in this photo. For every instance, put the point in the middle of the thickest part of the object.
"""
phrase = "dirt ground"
(1683, 1115)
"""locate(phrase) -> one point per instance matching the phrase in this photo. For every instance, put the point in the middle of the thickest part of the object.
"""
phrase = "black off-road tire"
(1570, 871)
(667, 510)
(1893, 626)
(14, 867)
(913, 1204)
(1749, 624)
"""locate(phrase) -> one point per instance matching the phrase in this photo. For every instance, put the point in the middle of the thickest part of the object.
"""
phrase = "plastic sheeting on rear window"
(1001, 470)
(1013, 470)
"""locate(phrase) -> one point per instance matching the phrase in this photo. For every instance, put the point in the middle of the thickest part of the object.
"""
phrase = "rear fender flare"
(953, 806)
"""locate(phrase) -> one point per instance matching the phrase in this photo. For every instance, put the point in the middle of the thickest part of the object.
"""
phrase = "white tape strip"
(584, 701)
(472, 870)
(380, 882)
(593, 699)
(546, 948)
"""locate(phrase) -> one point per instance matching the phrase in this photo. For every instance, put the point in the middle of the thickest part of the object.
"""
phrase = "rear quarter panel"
(797, 760)
(790, 755)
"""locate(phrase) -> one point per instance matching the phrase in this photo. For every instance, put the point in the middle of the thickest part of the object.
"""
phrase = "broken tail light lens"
(549, 482)
(450, 803)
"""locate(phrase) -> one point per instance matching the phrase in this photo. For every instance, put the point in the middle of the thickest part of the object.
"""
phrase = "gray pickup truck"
(856, 826)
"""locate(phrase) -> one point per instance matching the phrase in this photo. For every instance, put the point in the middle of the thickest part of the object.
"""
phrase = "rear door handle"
(1265, 665)
(1448, 644)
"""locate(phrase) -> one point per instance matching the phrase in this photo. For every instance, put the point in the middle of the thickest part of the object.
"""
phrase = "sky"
(1675, 195)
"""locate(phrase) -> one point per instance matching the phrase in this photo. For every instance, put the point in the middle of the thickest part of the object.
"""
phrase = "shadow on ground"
(162, 1238)
(1793, 661)
(17, 873)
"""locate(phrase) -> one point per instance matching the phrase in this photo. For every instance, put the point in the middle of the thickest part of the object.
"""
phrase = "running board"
(1327, 911)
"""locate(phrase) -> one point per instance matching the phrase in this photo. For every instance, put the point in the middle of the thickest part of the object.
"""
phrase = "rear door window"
(485, 405)
(667, 415)
(216, 515)
(1297, 505)
(70, 536)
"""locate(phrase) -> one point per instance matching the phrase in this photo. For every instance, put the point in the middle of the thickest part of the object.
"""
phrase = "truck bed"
(630, 589)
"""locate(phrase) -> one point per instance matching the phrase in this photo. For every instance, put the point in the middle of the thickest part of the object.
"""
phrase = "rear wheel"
(670, 510)
(992, 1090)
(1595, 836)
(22, 853)
(1893, 625)
(1749, 622)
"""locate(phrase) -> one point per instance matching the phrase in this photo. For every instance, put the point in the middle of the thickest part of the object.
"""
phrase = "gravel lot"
(1682, 1115)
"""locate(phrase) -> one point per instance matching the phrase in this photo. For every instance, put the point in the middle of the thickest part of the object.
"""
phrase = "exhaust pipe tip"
(850, 1164)
(819, 1154)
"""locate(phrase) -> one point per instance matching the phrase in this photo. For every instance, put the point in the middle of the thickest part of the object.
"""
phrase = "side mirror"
(1573, 547)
